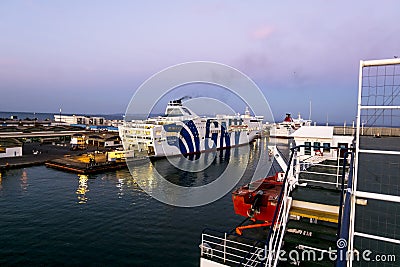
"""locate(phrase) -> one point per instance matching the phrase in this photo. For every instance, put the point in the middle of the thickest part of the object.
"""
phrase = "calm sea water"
(50, 116)
(53, 218)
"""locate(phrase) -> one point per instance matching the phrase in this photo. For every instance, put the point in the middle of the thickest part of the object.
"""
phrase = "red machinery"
(258, 200)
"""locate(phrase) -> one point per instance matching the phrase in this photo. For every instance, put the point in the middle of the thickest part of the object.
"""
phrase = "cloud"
(212, 9)
(253, 61)
(262, 32)
(9, 62)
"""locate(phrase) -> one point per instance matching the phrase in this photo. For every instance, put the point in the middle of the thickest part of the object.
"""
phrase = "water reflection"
(120, 186)
(184, 176)
(193, 162)
(122, 180)
(1, 181)
(147, 171)
(82, 189)
(229, 168)
(24, 181)
(144, 174)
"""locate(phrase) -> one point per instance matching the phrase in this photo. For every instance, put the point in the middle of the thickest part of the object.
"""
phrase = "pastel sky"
(91, 56)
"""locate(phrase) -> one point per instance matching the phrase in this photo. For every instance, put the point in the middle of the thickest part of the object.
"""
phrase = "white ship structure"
(288, 126)
(181, 132)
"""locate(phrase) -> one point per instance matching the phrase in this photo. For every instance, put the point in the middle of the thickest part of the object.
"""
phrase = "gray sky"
(90, 56)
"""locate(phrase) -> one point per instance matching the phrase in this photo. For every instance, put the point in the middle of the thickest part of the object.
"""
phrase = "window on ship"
(317, 146)
(327, 147)
(307, 148)
(187, 111)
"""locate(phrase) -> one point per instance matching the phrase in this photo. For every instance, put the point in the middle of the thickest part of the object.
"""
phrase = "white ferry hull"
(183, 146)
(182, 132)
(288, 126)
(281, 132)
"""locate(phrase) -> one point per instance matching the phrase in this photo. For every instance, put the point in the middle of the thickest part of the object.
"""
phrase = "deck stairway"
(311, 231)
(308, 233)
(312, 226)
(315, 211)
(306, 223)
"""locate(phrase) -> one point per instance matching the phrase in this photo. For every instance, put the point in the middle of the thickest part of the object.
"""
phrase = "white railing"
(230, 252)
(382, 110)
(295, 168)
(316, 161)
(279, 229)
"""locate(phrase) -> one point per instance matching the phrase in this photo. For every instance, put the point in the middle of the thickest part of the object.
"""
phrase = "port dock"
(62, 158)
(65, 148)
(34, 154)
(81, 168)
(88, 164)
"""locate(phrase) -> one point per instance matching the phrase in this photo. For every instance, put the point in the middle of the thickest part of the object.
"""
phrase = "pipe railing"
(344, 216)
(272, 242)
(227, 251)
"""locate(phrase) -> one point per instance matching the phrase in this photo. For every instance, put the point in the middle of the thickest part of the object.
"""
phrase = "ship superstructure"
(288, 126)
(339, 201)
(181, 131)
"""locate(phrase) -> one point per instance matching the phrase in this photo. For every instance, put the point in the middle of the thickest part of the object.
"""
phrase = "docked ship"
(180, 131)
(288, 126)
(336, 198)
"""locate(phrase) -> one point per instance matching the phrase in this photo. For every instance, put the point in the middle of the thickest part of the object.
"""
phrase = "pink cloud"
(9, 62)
(262, 32)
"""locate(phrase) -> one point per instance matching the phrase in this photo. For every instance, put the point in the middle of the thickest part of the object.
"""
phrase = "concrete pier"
(46, 152)
(80, 168)
(62, 158)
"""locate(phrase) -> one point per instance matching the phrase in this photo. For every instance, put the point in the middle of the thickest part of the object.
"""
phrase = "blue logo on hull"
(188, 141)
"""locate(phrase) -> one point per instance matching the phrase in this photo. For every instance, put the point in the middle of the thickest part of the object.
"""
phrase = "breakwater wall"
(367, 131)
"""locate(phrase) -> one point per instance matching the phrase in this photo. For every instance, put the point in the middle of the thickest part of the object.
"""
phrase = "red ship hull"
(258, 200)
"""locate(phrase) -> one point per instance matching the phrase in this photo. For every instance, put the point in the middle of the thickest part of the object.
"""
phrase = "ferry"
(337, 197)
(288, 126)
(182, 132)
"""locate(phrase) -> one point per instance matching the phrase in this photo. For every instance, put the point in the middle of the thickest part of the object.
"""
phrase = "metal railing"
(344, 215)
(377, 108)
(277, 231)
(228, 249)
(335, 170)
(278, 228)
(225, 248)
